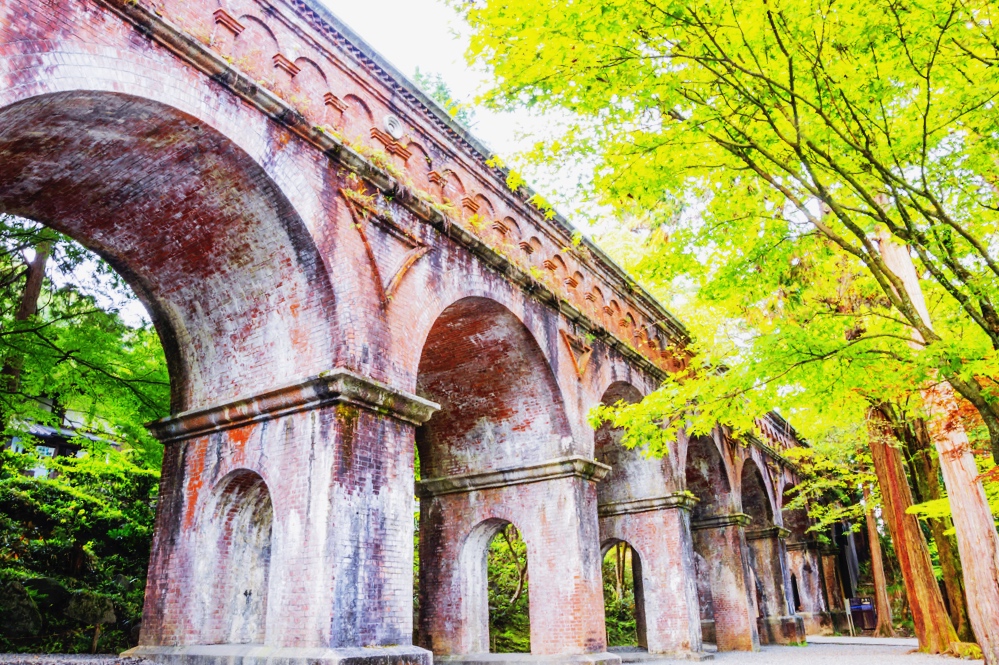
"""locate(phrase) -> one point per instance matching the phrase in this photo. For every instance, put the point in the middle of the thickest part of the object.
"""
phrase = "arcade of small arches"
(324, 325)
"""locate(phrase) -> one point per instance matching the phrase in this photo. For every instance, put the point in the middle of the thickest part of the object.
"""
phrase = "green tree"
(74, 539)
(64, 346)
(761, 150)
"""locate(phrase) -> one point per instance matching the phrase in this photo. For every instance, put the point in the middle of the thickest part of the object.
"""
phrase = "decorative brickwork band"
(769, 532)
(564, 467)
(721, 521)
(680, 500)
(338, 386)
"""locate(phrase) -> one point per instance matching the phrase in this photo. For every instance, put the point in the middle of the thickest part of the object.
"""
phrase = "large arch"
(722, 571)
(754, 497)
(500, 403)
(707, 477)
(209, 243)
(499, 451)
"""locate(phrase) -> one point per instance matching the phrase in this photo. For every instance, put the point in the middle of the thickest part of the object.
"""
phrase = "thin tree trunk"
(881, 603)
(977, 539)
(27, 308)
(933, 628)
(925, 472)
(619, 570)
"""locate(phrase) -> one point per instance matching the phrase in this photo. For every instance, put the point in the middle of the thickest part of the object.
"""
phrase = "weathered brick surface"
(214, 153)
(558, 522)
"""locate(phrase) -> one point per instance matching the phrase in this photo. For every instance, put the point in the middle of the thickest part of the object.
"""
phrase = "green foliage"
(76, 352)
(434, 85)
(619, 596)
(941, 508)
(77, 541)
(509, 620)
(756, 150)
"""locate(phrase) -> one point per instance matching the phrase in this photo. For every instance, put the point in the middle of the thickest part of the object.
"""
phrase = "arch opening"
(500, 404)
(624, 595)
(234, 556)
(495, 588)
(208, 242)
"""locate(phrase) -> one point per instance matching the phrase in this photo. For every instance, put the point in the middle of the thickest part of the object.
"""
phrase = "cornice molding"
(721, 521)
(678, 500)
(778, 532)
(339, 386)
(563, 467)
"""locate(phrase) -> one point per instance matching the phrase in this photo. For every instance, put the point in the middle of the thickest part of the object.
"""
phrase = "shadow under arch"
(223, 263)
(500, 403)
(232, 571)
(755, 499)
(707, 477)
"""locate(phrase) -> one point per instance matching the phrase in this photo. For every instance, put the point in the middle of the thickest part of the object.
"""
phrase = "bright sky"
(429, 35)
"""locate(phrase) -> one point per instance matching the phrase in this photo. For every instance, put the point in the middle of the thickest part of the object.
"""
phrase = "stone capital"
(721, 521)
(677, 500)
(338, 386)
(563, 467)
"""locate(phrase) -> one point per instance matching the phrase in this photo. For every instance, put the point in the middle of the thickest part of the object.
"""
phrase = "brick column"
(554, 506)
(331, 462)
(805, 563)
(777, 623)
(721, 542)
(659, 530)
(833, 586)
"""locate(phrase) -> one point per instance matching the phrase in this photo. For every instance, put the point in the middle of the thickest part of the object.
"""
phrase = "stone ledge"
(603, 658)
(809, 545)
(721, 521)
(563, 467)
(680, 500)
(259, 654)
(767, 532)
(338, 386)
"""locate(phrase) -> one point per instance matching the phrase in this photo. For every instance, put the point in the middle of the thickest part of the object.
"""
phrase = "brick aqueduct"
(340, 279)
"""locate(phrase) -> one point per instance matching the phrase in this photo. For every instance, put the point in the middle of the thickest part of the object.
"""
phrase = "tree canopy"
(757, 148)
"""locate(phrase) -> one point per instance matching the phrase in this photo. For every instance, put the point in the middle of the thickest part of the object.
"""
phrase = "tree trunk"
(977, 539)
(933, 628)
(27, 308)
(924, 469)
(881, 603)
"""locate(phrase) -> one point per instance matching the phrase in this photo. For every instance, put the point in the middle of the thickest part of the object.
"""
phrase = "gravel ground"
(69, 659)
(836, 654)
(813, 654)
